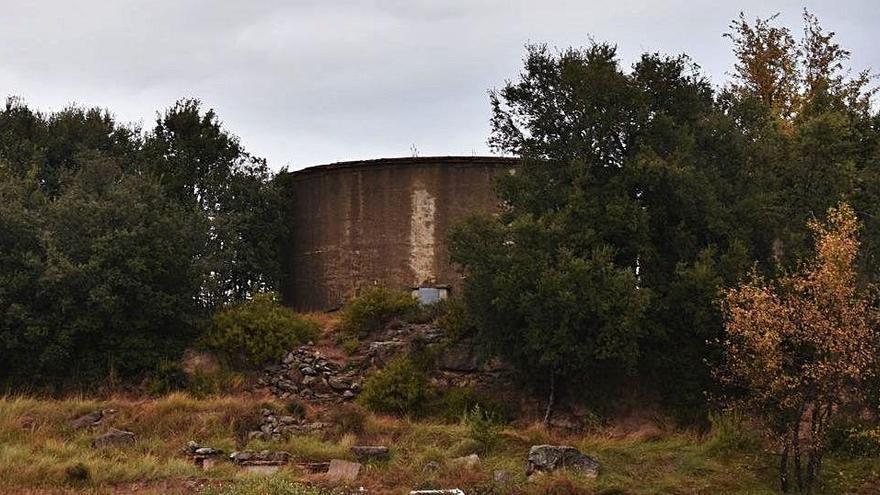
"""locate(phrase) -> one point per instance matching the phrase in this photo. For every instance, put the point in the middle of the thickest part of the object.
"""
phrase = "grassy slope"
(37, 447)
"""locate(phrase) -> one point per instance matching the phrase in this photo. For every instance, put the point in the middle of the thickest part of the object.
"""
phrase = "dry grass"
(41, 454)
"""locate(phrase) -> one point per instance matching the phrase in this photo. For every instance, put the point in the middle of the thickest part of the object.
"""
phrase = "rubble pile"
(305, 373)
(274, 426)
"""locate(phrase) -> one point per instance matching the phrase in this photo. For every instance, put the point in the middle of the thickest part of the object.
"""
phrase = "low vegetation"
(373, 307)
(401, 387)
(254, 332)
(41, 453)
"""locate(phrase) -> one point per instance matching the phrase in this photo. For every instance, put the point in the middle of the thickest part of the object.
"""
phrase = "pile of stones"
(305, 373)
(274, 426)
(204, 457)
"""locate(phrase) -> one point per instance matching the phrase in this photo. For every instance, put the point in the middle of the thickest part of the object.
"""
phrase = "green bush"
(374, 307)
(350, 418)
(350, 345)
(399, 388)
(296, 408)
(257, 331)
(483, 427)
(168, 377)
(453, 320)
(456, 403)
(77, 474)
(729, 433)
(854, 438)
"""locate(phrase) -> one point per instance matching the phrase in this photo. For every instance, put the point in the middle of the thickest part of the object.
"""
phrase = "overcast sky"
(310, 82)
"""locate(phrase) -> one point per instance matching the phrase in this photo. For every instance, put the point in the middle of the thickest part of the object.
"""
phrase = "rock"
(364, 452)
(501, 476)
(348, 394)
(93, 418)
(265, 458)
(338, 384)
(340, 470)
(461, 356)
(288, 420)
(546, 458)
(191, 447)
(207, 451)
(432, 466)
(320, 386)
(467, 462)
(113, 437)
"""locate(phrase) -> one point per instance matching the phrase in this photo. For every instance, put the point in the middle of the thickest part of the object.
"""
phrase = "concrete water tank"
(381, 222)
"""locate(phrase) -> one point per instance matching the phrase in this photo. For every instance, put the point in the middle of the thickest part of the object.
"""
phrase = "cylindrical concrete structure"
(380, 222)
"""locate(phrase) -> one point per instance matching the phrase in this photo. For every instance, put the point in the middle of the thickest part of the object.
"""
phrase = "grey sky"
(310, 82)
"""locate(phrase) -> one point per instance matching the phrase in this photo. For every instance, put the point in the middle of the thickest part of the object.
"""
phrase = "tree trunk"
(796, 454)
(550, 400)
(783, 468)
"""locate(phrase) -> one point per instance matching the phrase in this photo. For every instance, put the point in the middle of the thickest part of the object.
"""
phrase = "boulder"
(364, 452)
(93, 418)
(338, 384)
(546, 458)
(113, 437)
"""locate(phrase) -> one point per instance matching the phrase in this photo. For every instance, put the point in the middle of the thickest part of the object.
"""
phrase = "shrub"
(77, 474)
(350, 418)
(483, 427)
(168, 377)
(458, 402)
(374, 307)
(453, 320)
(854, 438)
(254, 332)
(296, 408)
(730, 434)
(399, 388)
(350, 345)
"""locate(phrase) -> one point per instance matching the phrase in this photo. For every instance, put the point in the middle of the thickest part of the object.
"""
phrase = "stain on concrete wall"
(421, 237)
(378, 222)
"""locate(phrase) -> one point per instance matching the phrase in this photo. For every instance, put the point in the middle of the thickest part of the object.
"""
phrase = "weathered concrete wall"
(378, 221)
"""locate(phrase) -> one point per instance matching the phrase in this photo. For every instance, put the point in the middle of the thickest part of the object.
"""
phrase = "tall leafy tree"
(201, 164)
(109, 268)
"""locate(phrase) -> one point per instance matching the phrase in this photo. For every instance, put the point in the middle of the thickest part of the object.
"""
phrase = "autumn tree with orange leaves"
(801, 346)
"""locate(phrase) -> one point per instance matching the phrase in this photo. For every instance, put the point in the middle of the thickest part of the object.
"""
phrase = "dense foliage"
(116, 245)
(401, 387)
(641, 193)
(374, 306)
(259, 330)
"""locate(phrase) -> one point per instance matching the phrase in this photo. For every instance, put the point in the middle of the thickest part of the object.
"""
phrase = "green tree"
(622, 174)
(109, 265)
(201, 164)
(53, 146)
